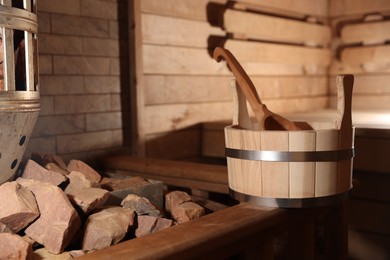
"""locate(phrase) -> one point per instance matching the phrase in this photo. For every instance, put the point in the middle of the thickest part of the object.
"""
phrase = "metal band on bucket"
(290, 202)
(279, 156)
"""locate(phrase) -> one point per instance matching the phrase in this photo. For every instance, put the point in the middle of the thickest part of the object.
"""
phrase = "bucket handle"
(344, 85)
(240, 109)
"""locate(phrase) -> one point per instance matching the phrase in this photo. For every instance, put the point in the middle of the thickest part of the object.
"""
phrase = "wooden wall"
(361, 36)
(283, 45)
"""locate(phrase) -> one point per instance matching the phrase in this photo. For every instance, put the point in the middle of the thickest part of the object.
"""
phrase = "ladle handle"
(247, 86)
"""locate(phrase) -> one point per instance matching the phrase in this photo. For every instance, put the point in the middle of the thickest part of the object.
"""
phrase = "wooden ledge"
(192, 175)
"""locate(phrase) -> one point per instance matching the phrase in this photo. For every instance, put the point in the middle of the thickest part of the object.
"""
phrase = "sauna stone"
(122, 186)
(151, 224)
(175, 198)
(55, 168)
(44, 159)
(58, 221)
(13, 246)
(19, 208)
(4, 228)
(78, 181)
(187, 211)
(141, 205)
(107, 227)
(80, 166)
(89, 199)
(36, 172)
(113, 184)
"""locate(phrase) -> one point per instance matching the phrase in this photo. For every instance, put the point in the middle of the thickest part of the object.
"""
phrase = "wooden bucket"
(294, 169)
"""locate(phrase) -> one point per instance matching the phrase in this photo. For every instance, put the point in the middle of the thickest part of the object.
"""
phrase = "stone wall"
(84, 78)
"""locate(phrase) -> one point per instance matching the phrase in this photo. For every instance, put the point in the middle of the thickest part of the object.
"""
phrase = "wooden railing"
(245, 231)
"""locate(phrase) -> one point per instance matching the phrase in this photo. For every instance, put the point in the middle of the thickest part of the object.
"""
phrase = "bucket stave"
(294, 168)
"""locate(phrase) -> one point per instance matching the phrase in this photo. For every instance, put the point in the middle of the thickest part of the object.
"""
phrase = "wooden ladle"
(267, 119)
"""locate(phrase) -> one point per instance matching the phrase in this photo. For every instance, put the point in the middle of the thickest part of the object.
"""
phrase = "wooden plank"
(164, 118)
(196, 10)
(175, 169)
(302, 7)
(175, 144)
(338, 67)
(367, 85)
(165, 30)
(254, 52)
(177, 61)
(369, 102)
(283, 87)
(256, 58)
(351, 7)
(366, 33)
(168, 89)
(178, 116)
(295, 105)
(270, 28)
(302, 174)
(371, 57)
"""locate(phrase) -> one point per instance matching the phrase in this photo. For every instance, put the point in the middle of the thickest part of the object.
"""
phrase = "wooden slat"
(283, 87)
(164, 118)
(302, 7)
(368, 102)
(168, 89)
(178, 116)
(265, 27)
(180, 60)
(175, 169)
(299, 104)
(367, 33)
(195, 10)
(372, 55)
(367, 84)
(256, 58)
(253, 52)
(350, 7)
(338, 67)
(165, 30)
